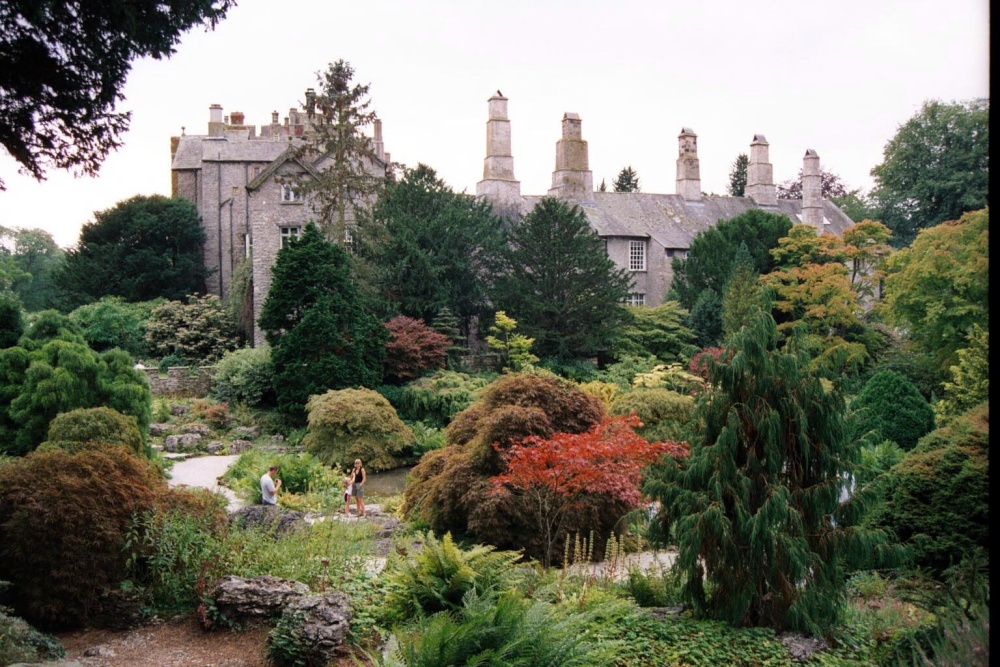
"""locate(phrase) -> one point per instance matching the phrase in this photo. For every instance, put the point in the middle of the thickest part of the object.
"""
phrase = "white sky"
(838, 77)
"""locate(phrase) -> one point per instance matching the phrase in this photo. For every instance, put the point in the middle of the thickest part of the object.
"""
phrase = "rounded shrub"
(664, 413)
(889, 407)
(437, 398)
(245, 376)
(72, 430)
(349, 424)
(62, 530)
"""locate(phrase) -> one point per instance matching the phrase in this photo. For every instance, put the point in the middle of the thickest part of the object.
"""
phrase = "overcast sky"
(838, 77)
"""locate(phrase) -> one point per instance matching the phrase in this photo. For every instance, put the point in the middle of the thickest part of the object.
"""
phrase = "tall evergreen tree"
(757, 507)
(351, 177)
(706, 318)
(627, 180)
(738, 175)
(322, 334)
(555, 278)
(741, 301)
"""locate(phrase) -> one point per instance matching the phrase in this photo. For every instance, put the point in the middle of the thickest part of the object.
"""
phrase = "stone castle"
(239, 180)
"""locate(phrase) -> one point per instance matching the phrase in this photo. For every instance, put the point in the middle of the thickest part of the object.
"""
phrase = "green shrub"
(350, 424)
(437, 398)
(19, 642)
(577, 370)
(246, 376)
(11, 320)
(659, 588)
(112, 322)
(199, 331)
(300, 473)
(937, 496)
(104, 425)
(62, 531)
(623, 372)
(890, 408)
(426, 438)
(664, 413)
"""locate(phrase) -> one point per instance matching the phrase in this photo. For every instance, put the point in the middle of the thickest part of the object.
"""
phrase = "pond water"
(387, 483)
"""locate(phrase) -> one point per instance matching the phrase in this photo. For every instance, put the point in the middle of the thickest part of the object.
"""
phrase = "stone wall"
(181, 381)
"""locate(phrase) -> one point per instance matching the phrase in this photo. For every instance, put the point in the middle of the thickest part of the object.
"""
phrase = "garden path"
(204, 472)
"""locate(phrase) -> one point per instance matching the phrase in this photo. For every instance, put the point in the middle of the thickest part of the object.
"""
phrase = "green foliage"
(624, 371)
(65, 515)
(354, 424)
(113, 322)
(11, 320)
(670, 376)
(514, 349)
(72, 429)
(756, 509)
(710, 259)
(889, 407)
(660, 332)
(664, 413)
(245, 376)
(21, 643)
(936, 167)
(738, 176)
(322, 336)
(436, 399)
(706, 318)
(285, 645)
(659, 588)
(627, 180)
(239, 303)
(439, 575)
(426, 438)
(876, 460)
(554, 277)
(59, 374)
(742, 300)
(142, 249)
(937, 497)
(938, 288)
(426, 249)
(970, 385)
(199, 331)
(31, 258)
(300, 473)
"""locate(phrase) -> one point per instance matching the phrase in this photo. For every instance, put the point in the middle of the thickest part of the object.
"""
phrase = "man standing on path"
(269, 486)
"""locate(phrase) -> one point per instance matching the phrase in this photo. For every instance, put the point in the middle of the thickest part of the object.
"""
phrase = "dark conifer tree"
(626, 181)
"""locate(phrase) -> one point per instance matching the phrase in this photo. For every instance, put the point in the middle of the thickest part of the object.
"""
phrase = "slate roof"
(673, 222)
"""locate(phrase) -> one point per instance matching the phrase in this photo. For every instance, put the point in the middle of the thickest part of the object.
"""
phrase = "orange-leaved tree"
(557, 473)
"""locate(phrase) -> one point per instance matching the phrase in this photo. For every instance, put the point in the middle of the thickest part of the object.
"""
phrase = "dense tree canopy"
(627, 180)
(63, 64)
(28, 260)
(322, 334)
(935, 168)
(142, 249)
(426, 248)
(555, 278)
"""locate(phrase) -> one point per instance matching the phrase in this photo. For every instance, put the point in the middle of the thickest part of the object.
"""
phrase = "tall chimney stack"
(760, 174)
(215, 125)
(377, 140)
(688, 169)
(572, 178)
(812, 190)
(498, 184)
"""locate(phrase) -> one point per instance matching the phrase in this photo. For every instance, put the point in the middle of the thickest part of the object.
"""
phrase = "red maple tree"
(556, 474)
(413, 348)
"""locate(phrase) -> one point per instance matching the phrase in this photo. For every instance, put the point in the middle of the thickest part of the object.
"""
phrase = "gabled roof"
(291, 154)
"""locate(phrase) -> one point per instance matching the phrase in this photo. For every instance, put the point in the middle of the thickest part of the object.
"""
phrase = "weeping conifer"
(756, 509)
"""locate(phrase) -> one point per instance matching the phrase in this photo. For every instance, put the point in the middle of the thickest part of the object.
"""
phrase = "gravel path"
(204, 472)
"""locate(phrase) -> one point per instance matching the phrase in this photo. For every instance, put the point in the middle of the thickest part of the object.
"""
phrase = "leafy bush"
(654, 589)
(11, 320)
(246, 376)
(426, 438)
(300, 473)
(413, 349)
(440, 574)
(354, 424)
(577, 370)
(199, 331)
(664, 413)
(658, 332)
(19, 642)
(890, 408)
(112, 322)
(437, 398)
(623, 372)
(62, 532)
(104, 425)
(606, 391)
(937, 497)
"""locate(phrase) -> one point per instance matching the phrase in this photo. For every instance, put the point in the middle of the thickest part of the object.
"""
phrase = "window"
(670, 252)
(247, 245)
(636, 299)
(290, 195)
(289, 233)
(637, 255)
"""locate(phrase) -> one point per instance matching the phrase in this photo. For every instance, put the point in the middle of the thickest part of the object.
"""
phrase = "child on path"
(348, 482)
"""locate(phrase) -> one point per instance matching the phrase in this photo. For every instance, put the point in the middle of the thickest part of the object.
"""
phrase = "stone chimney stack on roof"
(215, 125)
(236, 118)
(572, 178)
(812, 190)
(310, 102)
(688, 169)
(377, 144)
(760, 174)
(498, 184)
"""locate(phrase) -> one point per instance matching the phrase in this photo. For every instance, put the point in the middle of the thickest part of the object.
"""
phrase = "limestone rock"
(172, 443)
(189, 440)
(269, 517)
(277, 438)
(247, 432)
(243, 599)
(214, 447)
(239, 446)
(177, 409)
(801, 647)
(323, 624)
(200, 429)
(159, 429)
(98, 652)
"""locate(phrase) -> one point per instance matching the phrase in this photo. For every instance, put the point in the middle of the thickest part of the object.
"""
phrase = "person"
(359, 477)
(348, 483)
(269, 486)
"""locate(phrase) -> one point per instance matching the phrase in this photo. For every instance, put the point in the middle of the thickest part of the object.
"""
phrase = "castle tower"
(572, 178)
(812, 190)
(498, 184)
(688, 169)
(760, 174)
